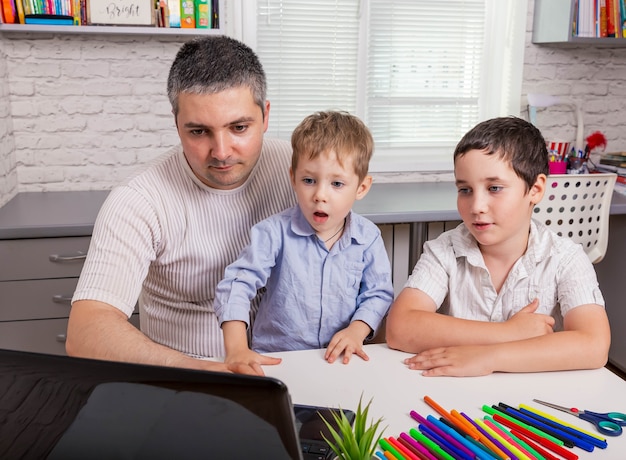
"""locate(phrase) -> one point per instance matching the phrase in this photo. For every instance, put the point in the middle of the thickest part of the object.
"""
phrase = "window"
(419, 73)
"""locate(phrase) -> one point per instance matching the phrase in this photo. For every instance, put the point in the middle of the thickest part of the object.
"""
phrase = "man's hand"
(526, 324)
(248, 362)
(348, 341)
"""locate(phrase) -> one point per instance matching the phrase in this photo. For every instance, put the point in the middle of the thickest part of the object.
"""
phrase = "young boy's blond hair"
(344, 134)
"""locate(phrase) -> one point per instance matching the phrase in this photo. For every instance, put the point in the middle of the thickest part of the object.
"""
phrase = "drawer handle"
(60, 258)
(61, 338)
(60, 298)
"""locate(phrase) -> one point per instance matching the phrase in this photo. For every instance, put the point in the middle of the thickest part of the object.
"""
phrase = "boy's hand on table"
(460, 361)
(526, 323)
(249, 362)
(348, 341)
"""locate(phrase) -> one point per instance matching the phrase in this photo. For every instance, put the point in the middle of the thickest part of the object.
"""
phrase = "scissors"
(608, 423)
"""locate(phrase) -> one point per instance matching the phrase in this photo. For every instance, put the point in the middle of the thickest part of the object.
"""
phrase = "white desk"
(397, 390)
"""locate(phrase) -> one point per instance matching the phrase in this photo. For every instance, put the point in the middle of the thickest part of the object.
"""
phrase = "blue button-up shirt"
(311, 292)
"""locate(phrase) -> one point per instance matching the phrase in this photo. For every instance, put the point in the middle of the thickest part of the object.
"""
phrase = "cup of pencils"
(557, 156)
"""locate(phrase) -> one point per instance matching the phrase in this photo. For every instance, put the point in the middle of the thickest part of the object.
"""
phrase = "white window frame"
(504, 60)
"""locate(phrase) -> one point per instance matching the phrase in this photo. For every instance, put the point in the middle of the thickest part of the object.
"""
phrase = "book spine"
(601, 30)
(610, 18)
(622, 8)
(8, 12)
(187, 14)
(175, 10)
(203, 14)
(19, 6)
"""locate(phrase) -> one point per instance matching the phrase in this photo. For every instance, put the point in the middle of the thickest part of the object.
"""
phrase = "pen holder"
(558, 167)
(577, 166)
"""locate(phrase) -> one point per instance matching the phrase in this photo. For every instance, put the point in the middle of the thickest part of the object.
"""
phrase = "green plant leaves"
(354, 443)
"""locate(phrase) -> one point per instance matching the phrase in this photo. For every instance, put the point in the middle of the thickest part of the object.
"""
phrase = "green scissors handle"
(608, 423)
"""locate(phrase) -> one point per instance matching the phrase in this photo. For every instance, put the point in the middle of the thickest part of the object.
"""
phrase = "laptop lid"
(63, 407)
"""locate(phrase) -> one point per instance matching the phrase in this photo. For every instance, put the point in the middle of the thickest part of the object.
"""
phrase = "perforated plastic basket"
(577, 206)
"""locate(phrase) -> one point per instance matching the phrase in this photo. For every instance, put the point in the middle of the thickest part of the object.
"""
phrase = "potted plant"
(356, 441)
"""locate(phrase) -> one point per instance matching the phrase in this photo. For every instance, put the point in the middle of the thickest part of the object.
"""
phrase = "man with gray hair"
(164, 236)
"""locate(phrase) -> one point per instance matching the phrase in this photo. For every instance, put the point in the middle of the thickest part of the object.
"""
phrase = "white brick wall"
(8, 174)
(86, 109)
(592, 76)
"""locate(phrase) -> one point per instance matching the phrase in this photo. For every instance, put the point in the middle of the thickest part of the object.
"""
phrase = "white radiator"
(402, 254)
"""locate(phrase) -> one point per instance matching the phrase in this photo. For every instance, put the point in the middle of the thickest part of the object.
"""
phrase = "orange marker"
(445, 414)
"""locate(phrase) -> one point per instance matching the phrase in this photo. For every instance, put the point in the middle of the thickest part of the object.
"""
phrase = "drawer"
(36, 299)
(39, 336)
(40, 258)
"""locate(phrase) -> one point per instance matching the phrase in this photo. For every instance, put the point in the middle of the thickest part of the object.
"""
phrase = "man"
(164, 237)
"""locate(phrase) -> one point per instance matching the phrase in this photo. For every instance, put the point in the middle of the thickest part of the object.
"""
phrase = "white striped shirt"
(164, 238)
(553, 269)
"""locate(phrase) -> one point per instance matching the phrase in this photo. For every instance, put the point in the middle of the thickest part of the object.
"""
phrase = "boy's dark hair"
(514, 140)
(212, 64)
(338, 131)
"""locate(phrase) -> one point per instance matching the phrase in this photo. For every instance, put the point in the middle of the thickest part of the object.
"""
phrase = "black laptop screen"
(61, 407)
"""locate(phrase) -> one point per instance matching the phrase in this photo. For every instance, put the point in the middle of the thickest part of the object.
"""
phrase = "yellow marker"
(554, 419)
(518, 453)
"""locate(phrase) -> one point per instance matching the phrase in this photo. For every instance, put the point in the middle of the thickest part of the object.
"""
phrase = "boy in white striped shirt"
(501, 292)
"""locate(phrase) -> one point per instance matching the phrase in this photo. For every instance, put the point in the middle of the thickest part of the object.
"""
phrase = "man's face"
(221, 135)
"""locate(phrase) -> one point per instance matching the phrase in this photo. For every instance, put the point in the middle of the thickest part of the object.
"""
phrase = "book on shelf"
(8, 12)
(600, 18)
(622, 10)
(201, 14)
(49, 19)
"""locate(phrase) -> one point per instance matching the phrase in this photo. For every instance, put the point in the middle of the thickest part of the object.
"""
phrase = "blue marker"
(549, 429)
(478, 452)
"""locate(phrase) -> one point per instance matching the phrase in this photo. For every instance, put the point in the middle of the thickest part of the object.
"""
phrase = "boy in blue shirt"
(501, 292)
(325, 269)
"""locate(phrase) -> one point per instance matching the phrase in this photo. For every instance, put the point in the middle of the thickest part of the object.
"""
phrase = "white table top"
(396, 390)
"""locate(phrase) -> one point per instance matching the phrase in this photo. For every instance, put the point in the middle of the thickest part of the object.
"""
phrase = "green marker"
(543, 434)
(516, 439)
(389, 448)
(433, 447)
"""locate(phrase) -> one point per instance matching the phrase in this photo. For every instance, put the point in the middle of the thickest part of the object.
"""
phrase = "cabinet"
(553, 23)
(37, 279)
(44, 238)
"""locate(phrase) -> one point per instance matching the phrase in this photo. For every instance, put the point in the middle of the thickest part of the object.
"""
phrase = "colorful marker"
(514, 438)
(432, 446)
(412, 448)
(566, 437)
(384, 444)
(501, 451)
(471, 444)
(401, 449)
(428, 454)
(493, 410)
(559, 421)
(445, 445)
(602, 444)
(544, 441)
(505, 439)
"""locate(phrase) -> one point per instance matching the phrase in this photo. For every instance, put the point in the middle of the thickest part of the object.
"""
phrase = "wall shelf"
(119, 30)
(552, 25)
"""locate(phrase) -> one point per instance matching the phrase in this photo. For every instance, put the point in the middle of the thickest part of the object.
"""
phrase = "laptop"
(58, 407)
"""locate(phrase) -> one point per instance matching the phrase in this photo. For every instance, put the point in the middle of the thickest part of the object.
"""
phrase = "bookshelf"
(114, 29)
(552, 24)
(119, 30)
